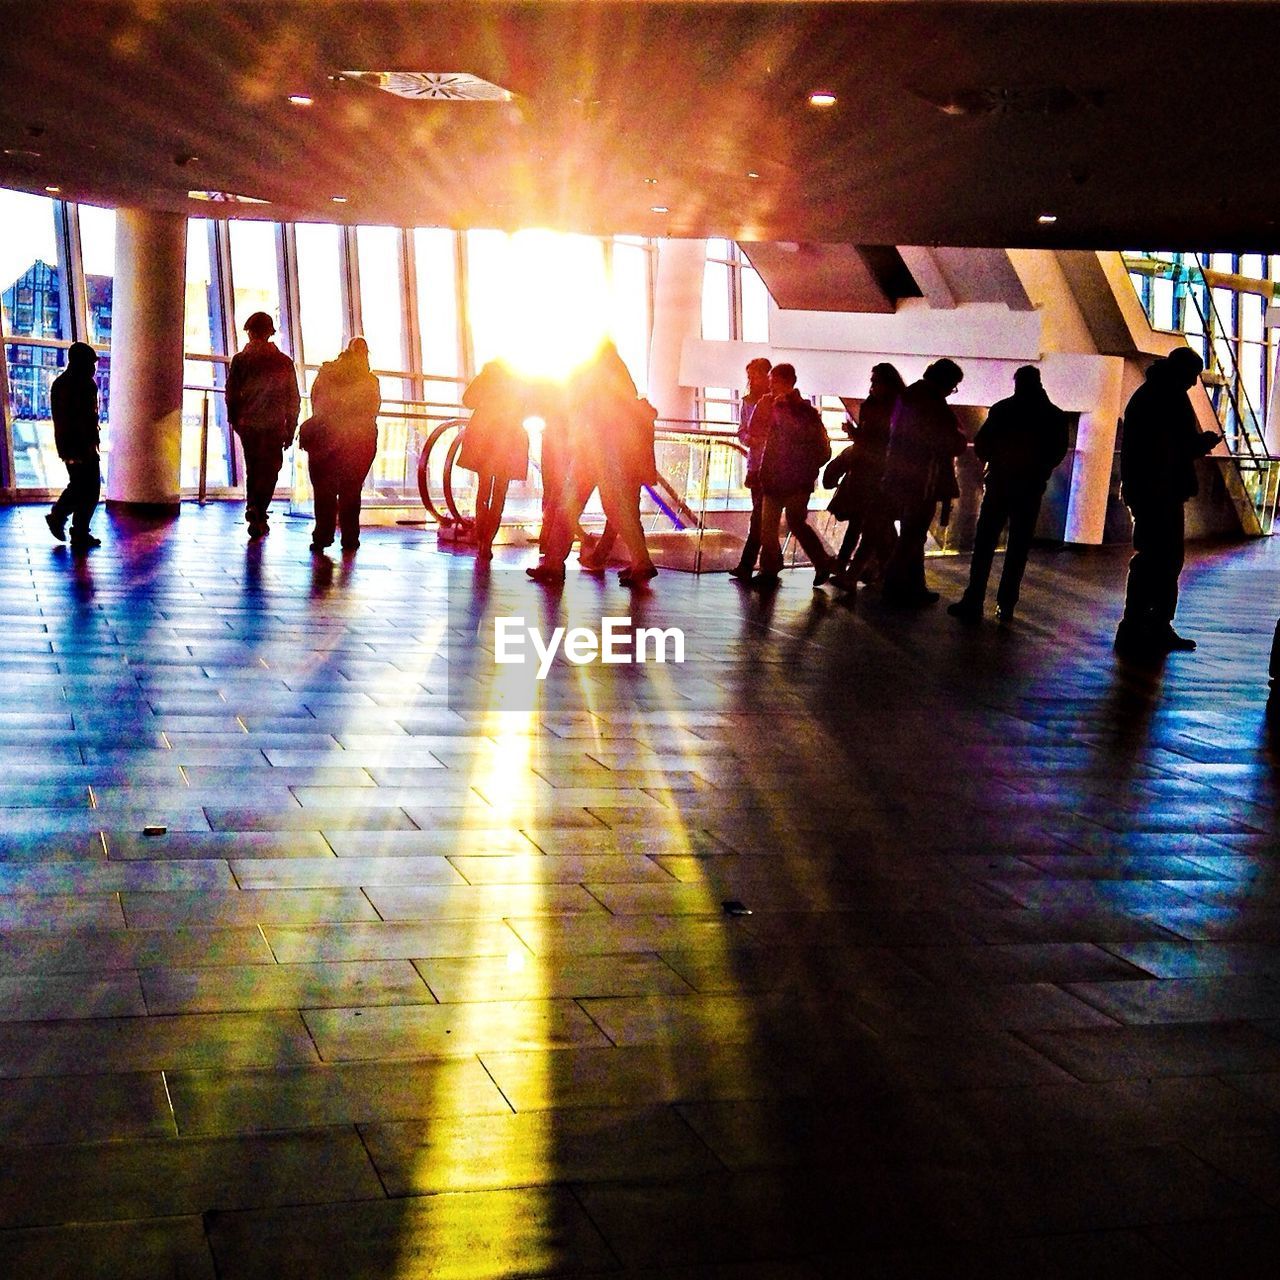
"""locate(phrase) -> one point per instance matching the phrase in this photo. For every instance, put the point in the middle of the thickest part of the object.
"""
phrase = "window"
(382, 302)
(435, 251)
(255, 274)
(321, 313)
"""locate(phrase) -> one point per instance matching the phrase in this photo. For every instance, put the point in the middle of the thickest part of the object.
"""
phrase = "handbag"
(312, 435)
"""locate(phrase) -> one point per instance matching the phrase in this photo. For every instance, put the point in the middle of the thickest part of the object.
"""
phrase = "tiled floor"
(426, 978)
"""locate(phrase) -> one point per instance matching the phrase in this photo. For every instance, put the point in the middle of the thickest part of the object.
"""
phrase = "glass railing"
(1187, 305)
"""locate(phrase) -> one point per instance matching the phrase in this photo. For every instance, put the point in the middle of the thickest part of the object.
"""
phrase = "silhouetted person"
(856, 475)
(73, 400)
(919, 473)
(1022, 441)
(796, 447)
(1160, 443)
(495, 445)
(611, 447)
(757, 389)
(345, 399)
(262, 404)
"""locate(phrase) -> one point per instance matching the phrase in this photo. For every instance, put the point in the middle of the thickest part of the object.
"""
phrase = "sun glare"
(538, 300)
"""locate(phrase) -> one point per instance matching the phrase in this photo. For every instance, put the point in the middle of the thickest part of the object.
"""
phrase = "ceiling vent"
(432, 86)
(224, 197)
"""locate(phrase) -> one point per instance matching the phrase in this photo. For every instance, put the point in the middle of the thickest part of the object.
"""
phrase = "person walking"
(73, 400)
(796, 448)
(1160, 442)
(495, 445)
(612, 448)
(757, 389)
(919, 473)
(856, 476)
(342, 443)
(1022, 441)
(262, 405)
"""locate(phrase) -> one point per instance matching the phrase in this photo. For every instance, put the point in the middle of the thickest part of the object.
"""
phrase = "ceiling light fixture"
(338, 199)
(451, 86)
(1047, 219)
(752, 174)
(822, 98)
(53, 191)
(301, 99)
(22, 152)
(651, 182)
(659, 208)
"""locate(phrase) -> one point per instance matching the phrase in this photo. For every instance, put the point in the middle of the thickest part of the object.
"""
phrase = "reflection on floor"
(418, 976)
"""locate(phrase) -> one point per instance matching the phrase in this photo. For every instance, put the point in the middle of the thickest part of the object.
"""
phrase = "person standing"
(857, 475)
(1022, 441)
(262, 405)
(1160, 442)
(919, 473)
(345, 400)
(757, 389)
(73, 400)
(796, 449)
(495, 445)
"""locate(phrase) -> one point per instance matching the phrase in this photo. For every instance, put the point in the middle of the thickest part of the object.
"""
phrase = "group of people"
(598, 434)
(898, 475)
(893, 480)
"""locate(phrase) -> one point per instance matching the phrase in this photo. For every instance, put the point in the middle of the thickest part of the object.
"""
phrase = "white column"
(148, 297)
(677, 314)
(1095, 459)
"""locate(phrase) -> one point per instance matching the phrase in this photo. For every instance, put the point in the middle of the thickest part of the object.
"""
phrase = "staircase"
(1253, 477)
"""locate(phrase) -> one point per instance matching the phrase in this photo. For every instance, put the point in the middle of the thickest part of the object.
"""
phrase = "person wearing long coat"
(495, 445)
(857, 475)
(920, 473)
(345, 400)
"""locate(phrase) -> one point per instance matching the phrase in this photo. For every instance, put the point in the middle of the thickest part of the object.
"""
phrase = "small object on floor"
(56, 527)
(732, 907)
(155, 829)
(965, 611)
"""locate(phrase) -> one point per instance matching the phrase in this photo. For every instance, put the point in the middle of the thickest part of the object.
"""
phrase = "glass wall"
(36, 321)
(735, 307)
(320, 283)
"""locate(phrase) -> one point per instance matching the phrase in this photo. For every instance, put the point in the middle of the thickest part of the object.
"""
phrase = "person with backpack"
(796, 449)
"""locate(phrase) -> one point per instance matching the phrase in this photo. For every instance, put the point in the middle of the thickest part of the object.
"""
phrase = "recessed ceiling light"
(1047, 219)
(301, 99)
(24, 152)
(659, 208)
(651, 182)
(822, 98)
(753, 174)
(53, 191)
(338, 199)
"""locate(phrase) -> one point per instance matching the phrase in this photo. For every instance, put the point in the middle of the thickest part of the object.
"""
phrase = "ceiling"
(1147, 124)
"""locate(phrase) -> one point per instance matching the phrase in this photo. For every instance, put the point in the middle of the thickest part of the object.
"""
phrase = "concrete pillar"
(144, 465)
(677, 314)
(1095, 459)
